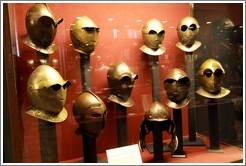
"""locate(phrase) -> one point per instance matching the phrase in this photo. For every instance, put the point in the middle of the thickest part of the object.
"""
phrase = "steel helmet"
(211, 74)
(177, 84)
(47, 91)
(121, 80)
(153, 34)
(90, 112)
(84, 35)
(187, 30)
(41, 26)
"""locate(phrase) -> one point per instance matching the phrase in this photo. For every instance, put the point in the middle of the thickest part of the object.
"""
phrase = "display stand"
(89, 143)
(157, 131)
(121, 125)
(47, 130)
(177, 117)
(192, 140)
(213, 126)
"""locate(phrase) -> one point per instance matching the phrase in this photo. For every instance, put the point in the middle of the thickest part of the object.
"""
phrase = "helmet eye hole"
(169, 81)
(56, 87)
(193, 27)
(184, 81)
(218, 72)
(162, 32)
(184, 28)
(66, 85)
(91, 29)
(208, 73)
(152, 32)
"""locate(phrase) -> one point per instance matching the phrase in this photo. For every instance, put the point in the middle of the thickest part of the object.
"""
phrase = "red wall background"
(119, 40)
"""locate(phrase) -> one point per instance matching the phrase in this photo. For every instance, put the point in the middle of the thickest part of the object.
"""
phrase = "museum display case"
(79, 78)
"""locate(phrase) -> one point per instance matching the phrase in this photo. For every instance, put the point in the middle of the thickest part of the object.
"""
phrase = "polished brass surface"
(41, 26)
(176, 85)
(84, 35)
(121, 80)
(153, 34)
(157, 112)
(211, 74)
(47, 91)
(90, 112)
(187, 30)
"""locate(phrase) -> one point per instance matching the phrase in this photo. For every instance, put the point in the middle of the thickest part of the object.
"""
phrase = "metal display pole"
(121, 125)
(157, 132)
(213, 126)
(47, 130)
(192, 139)
(89, 143)
(177, 117)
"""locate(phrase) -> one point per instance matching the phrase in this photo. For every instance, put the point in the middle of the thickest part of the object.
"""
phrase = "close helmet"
(121, 79)
(90, 112)
(41, 26)
(153, 34)
(187, 30)
(177, 86)
(223, 29)
(47, 91)
(211, 74)
(84, 35)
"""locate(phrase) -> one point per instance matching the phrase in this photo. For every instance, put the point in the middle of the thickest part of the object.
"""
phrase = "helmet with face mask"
(223, 29)
(84, 35)
(158, 113)
(121, 79)
(177, 85)
(153, 34)
(187, 30)
(47, 91)
(41, 26)
(90, 113)
(211, 75)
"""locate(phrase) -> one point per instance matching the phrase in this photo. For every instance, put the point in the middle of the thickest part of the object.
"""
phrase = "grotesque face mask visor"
(212, 81)
(187, 31)
(154, 39)
(84, 35)
(188, 34)
(177, 90)
(52, 98)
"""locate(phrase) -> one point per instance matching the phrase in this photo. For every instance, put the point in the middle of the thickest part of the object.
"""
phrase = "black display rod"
(177, 117)
(192, 139)
(89, 143)
(121, 125)
(213, 126)
(157, 131)
(47, 130)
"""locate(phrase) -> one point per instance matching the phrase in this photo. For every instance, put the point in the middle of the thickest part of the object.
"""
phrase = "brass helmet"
(121, 79)
(187, 30)
(47, 91)
(211, 74)
(41, 26)
(90, 112)
(84, 35)
(157, 112)
(153, 34)
(177, 84)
